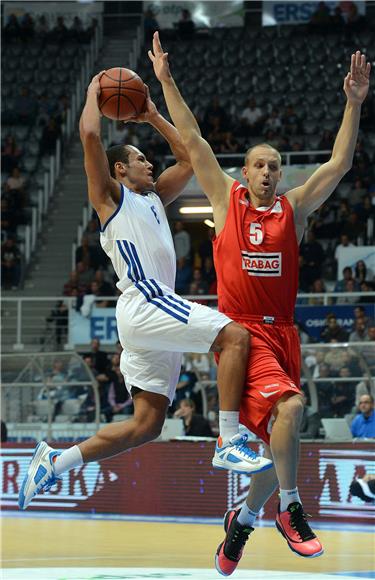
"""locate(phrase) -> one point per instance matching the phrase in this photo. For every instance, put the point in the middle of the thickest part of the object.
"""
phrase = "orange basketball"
(123, 94)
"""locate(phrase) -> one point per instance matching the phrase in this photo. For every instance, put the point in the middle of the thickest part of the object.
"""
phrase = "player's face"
(262, 173)
(139, 171)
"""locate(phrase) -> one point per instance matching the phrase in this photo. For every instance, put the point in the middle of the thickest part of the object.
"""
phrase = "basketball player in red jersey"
(256, 259)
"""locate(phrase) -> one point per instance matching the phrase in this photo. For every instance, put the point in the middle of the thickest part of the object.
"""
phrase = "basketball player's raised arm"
(310, 196)
(214, 182)
(172, 181)
(103, 190)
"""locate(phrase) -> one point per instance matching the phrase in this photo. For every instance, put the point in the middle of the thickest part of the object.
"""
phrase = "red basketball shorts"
(273, 371)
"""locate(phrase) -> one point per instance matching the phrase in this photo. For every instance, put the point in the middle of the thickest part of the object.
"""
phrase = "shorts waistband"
(260, 319)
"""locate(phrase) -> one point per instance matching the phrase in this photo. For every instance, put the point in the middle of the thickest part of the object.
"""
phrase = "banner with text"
(275, 13)
(313, 318)
(101, 324)
(204, 14)
(182, 469)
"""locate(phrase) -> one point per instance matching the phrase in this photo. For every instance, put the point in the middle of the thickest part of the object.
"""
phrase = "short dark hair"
(115, 154)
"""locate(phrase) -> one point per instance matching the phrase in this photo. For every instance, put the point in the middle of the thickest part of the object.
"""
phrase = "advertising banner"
(100, 324)
(204, 14)
(185, 484)
(313, 318)
(275, 13)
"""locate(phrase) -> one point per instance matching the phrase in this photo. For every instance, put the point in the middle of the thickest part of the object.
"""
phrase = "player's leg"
(233, 344)
(47, 464)
(291, 520)
(239, 524)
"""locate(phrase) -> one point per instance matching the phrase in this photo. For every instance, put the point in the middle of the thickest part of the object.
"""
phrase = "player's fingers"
(352, 64)
(151, 56)
(368, 69)
(358, 59)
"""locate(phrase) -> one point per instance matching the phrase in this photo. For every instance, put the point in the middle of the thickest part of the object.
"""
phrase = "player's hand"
(94, 86)
(159, 59)
(357, 81)
(149, 113)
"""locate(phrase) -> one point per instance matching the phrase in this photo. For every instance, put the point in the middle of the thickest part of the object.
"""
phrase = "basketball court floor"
(57, 547)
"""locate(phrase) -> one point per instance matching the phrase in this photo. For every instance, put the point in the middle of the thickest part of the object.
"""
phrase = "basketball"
(123, 94)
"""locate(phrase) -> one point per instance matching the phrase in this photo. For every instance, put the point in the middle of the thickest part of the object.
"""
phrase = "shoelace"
(50, 482)
(298, 521)
(236, 539)
(242, 448)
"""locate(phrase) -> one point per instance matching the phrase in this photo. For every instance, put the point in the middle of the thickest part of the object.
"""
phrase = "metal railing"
(26, 325)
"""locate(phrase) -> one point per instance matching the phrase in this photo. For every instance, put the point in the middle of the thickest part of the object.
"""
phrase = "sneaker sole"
(279, 528)
(29, 474)
(254, 470)
(218, 567)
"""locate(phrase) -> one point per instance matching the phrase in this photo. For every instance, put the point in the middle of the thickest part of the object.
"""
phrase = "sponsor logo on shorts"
(266, 395)
(261, 264)
(271, 386)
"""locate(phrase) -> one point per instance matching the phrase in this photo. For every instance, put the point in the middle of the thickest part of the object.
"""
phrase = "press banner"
(204, 14)
(277, 12)
(313, 318)
(185, 484)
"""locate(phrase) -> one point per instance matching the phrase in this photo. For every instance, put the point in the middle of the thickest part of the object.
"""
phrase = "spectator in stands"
(194, 424)
(42, 28)
(318, 287)
(205, 247)
(27, 27)
(273, 122)
(185, 26)
(124, 133)
(251, 119)
(98, 357)
(360, 332)
(11, 154)
(199, 285)
(59, 31)
(360, 271)
(59, 318)
(76, 31)
(350, 286)
(302, 332)
(51, 133)
(150, 25)
(10, 265)
(12, 28)
(183, 276)
(310, 422)
(4, 432)
(26, 107)
(92, 232)
(344, 243)
(327, 141)
(119, 401)
(87, 254)
(47, 108)
(359, 312)
(16, 186)
(324, 389)
(73, 287)
(353, 228)
(337, 20)
(85, 274)
(343, 397)
(297, 147)
(313, 255)
(182, 242)
(208, 271)
(321, 18)
(229, 144)
(185, 386)
(364, 424)
(347, 274)
(200, 363)
(367, 287)
(8, 220)
(91, 300)
(357, 192)
(333, 332)
(290, 121)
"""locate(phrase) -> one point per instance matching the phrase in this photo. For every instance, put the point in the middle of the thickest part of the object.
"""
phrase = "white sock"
(228, 424)
(288, 496)
(68, 459)
(246, 517)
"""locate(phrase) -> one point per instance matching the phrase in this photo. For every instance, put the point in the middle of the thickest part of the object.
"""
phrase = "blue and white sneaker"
(40, 475)
(238, 457)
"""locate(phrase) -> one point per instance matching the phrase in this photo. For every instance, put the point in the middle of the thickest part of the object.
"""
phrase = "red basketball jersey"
(256, 258)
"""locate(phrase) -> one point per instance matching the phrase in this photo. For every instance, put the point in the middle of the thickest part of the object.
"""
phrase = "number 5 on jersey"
(256, 234)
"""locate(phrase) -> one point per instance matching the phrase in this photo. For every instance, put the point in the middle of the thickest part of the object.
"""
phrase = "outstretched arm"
(214, 182)
(310, 196)
(103, 190)
(172, 181)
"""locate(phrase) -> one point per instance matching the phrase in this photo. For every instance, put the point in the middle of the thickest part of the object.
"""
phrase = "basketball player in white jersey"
(155, 326)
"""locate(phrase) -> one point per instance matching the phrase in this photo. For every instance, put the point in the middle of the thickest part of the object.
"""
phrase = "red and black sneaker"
(230, 551)
(292, 524)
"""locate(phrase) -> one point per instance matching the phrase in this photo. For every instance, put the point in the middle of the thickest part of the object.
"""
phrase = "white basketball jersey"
(138, 241)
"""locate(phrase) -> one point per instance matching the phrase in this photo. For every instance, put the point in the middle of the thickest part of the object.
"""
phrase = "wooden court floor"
(39, 542)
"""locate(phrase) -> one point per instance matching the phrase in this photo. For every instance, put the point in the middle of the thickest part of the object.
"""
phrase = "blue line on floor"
(172, 519)
(362, 574)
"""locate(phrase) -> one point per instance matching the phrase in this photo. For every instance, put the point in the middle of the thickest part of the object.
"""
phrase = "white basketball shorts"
(155, 327)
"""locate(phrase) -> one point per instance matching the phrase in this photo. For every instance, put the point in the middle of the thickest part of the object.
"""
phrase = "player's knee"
(291, 409)
(236, 336)
(146, 430)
